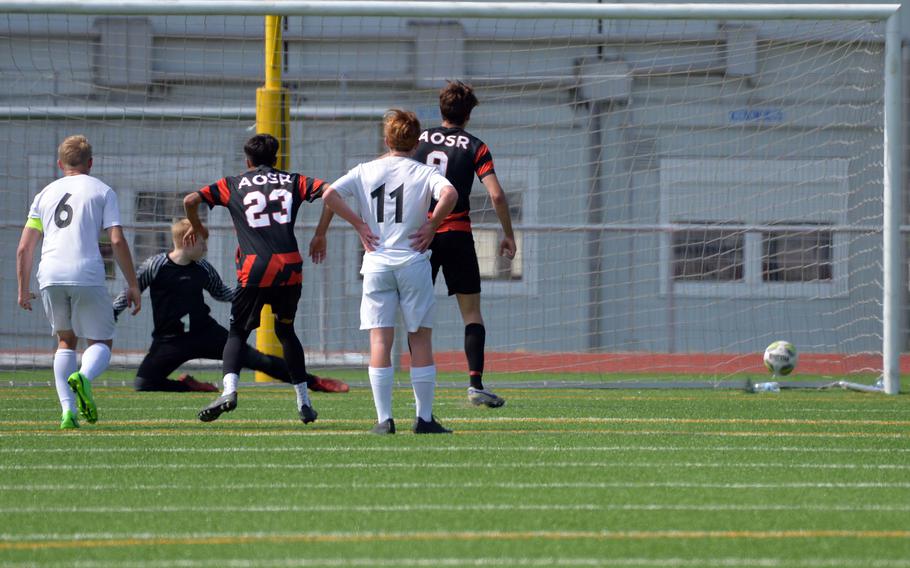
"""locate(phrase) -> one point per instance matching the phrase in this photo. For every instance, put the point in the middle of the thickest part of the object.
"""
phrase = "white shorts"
(410, 286)
(87, 310)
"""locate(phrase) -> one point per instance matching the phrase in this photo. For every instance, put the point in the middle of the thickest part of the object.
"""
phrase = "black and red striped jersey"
(263, 203)
(458, 156)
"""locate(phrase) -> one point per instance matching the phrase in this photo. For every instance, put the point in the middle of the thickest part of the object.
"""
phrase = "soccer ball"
(780, 358)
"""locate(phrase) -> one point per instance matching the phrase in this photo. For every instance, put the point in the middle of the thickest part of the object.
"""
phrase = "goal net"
(684, 191)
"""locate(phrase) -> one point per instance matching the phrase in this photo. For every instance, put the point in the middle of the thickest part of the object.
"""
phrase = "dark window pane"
(797, 256)
(707, 255)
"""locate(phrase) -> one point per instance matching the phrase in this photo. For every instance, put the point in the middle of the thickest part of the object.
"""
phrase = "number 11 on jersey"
(397, 194)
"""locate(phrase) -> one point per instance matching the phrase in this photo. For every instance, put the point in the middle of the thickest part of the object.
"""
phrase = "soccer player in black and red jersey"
(263, 203)
(184, 330)
(459, 156)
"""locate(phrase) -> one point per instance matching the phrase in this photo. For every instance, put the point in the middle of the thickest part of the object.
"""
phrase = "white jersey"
(393, 196)
(72, 212)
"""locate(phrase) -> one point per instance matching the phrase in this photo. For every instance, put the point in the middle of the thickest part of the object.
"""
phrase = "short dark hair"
(456, 101)
(262, 150)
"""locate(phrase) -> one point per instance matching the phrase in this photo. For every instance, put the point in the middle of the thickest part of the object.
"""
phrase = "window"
(493, 266)
(107, 255)
(503, 277)
(799, 256)
(708, 255)
(154, 213)
(753, 228)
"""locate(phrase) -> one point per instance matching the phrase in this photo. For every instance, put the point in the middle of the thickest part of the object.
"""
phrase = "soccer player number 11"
(397, 194)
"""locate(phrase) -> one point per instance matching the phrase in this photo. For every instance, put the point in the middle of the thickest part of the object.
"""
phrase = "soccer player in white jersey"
(386, 201)
(71, 213)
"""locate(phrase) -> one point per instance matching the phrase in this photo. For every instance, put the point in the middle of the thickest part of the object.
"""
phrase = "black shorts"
(167, 353)
(249, 302)
(454, 252)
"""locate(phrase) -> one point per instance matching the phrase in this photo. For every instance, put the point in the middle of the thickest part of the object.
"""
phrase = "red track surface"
(663, 363)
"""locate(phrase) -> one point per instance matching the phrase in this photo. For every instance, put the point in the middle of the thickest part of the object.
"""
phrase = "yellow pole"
(273, 116)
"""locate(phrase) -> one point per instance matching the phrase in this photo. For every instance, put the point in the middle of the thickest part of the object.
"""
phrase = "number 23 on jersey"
(256, 203)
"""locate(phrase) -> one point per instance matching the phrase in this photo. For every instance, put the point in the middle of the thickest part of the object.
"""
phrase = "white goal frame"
(892, 297)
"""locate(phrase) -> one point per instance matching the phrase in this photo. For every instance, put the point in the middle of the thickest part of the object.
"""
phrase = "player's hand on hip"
(420, 241)
(25, 300)
(317, 249)
(507, 247)
(134, 299)
(367, 238)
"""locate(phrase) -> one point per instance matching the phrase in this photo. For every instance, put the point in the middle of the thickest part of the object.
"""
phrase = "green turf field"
(556, 478)
(126, 375)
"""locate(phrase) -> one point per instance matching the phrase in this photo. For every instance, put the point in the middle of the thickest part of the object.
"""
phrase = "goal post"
(689, 181)
(273, 117)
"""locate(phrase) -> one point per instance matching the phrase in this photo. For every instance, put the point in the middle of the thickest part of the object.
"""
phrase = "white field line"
(443, 535)
(669, 420)
(414, 508)
(55, 413)
(510, 485)
(299, 433)
(498, 562)
(450, 449)
(39, 541)
(472, 465)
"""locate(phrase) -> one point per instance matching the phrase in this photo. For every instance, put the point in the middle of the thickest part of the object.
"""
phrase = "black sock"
(475, 336)
(293, 353)
(271, 365)
(232, 359)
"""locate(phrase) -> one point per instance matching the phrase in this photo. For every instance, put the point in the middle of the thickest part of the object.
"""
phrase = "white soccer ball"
(780, 358)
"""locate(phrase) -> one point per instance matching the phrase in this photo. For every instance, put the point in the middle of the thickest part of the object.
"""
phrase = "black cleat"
(384, 427)
(421, 426)
(307, 414)
(224, 403)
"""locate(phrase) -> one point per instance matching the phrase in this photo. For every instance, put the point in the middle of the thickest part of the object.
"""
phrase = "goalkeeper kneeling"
(184, 330)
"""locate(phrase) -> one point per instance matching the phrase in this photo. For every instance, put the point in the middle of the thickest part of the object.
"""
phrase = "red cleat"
(323, 384)
(196, 386)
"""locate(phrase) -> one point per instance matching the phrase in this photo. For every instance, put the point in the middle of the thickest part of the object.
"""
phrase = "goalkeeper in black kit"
(184, 330)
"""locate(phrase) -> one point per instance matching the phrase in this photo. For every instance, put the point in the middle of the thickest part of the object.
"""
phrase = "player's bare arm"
(191, 206)
(507, 247)
(144, 277)
(334, 202)
(121, 249)
(25, 255)
(318, 244)
(420, 241)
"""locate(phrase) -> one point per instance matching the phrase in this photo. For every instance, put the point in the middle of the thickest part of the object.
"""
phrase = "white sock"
(230, 383)
(95, 360)
(303, 396)
(382, 379)
(64, 366)
(423, 381)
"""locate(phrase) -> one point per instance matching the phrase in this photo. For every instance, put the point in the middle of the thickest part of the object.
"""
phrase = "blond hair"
(401, 129)
(75, 152)
(179, 230)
